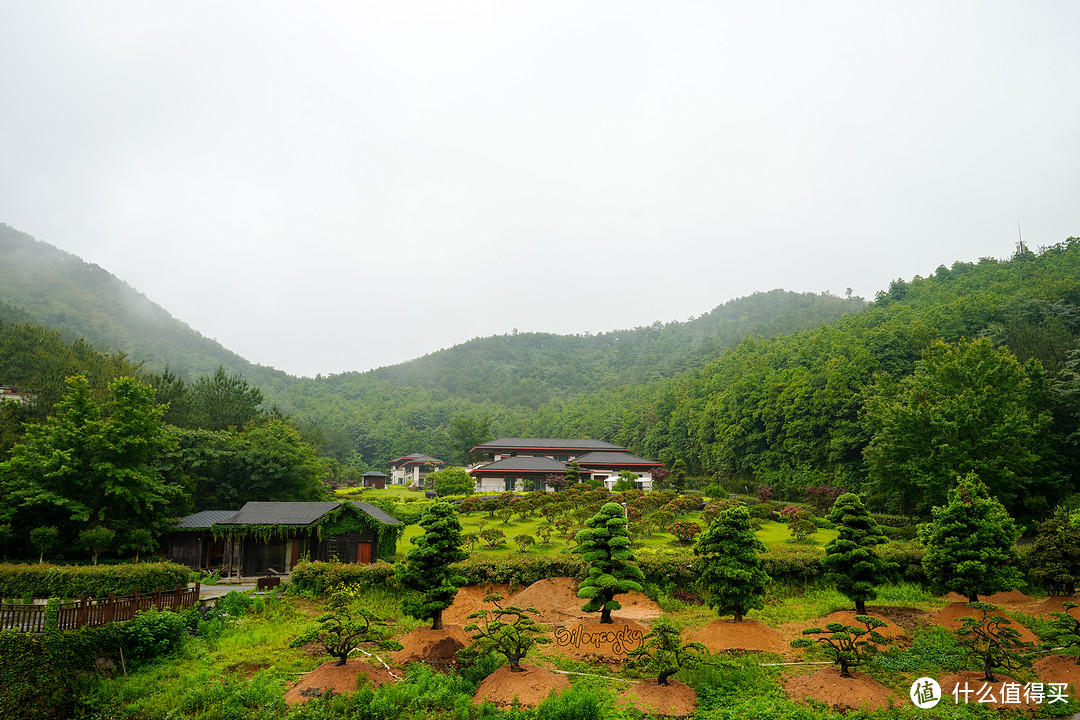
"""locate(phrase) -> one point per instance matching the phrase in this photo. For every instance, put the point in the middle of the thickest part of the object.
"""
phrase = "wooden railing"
(86, 611)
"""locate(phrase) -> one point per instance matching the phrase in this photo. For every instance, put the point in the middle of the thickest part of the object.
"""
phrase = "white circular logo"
(925, 692)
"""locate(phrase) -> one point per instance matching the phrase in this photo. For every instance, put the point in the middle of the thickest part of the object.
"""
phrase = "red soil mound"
(434, 647)
(828, 687)
(1009, 597)
(529, 687)
(635, 606)
(1055, 604)
(468, 600)
(951, 617)
(973, 681)
(1059, 669)
(337, 679)
(586, 639)
(726, 634)
(555, 600)
(674, 700)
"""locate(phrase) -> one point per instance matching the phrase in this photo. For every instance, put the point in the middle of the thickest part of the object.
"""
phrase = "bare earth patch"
(437, 648)
(1059, 669)
(753, 635)
(592, 640)
(334, 678)
(828, 687)
(674, 700)
(636, 606)
(973, 681)
(908, 618)
(555, 600)
(951, 617)
(528, 687)
(1008, 597)
(1053, 605)
(470, 599)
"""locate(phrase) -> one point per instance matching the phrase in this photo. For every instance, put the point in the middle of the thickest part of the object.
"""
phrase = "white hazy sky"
(331, 186)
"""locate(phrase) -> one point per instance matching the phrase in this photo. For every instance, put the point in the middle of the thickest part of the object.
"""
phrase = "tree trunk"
(605, 617)
(860, 607)
(738, 616)
(663, 677)
(973, 597)
(844, 671)
(515, 661)
(436, 620)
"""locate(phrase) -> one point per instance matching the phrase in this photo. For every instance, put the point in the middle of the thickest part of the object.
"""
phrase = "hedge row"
(43, 580)
(795, 565)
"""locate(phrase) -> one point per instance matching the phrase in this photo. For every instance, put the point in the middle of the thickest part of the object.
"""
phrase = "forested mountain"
(446, 402)
(46, 286)
(863, 402)
(529, 369)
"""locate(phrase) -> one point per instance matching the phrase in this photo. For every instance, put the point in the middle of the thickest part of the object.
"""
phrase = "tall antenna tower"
(1021, 248)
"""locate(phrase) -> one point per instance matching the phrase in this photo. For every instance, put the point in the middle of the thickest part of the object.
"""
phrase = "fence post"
(83, 616)
(110, 608)
(157, 598)
(198, 594)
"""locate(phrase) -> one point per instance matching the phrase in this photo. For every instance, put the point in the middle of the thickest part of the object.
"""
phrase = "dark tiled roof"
(377, 513)
(204, 519)
(524, 464)
(296, 513)
(374, 473)
(550, 444)
(613, 458)
(280, 513)
(414, 458)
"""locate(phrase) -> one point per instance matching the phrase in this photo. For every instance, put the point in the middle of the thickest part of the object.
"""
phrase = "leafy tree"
(97, 540)
(344, 627)
(605, 546)
(544, 530)
(43, 538)
(466, 432)
(850, 561)
(971, 543)
(524, 541)
(627, 481)
(222, 401)
(677, 478)
(140, 540)
(800, 522)
(684, 530)
(850, 646)
(730, 571)
(88, 463)
(969, 407)
(991, 640)
(493, 537)
(664, 653)
(1064, 630)
(452, 481)
(507, 630)
(427, 566)
(573, 473)
(1055, 555)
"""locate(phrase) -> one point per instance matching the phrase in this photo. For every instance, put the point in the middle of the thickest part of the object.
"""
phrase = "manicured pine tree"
(1055, 555)
(850, 561)
(427, 566)
(971, 543)
(730, 571)
(605, 545)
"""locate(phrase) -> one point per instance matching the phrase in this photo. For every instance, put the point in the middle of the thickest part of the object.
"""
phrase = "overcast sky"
(332, 186)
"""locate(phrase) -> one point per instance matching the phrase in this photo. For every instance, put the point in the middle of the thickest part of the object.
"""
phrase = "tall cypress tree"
(971, 543)
(605, 545)
(427, 566)
(850, 561)
(730, 571)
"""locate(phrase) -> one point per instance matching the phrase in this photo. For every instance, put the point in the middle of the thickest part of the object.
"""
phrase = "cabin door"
(363, 553)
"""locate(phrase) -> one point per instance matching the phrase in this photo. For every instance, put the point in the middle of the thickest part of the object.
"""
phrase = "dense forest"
(972, 369)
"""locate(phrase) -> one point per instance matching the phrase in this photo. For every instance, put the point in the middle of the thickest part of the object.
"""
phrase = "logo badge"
(925, 693)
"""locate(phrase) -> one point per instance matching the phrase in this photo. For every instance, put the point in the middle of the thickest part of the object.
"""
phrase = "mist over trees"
(779, 389)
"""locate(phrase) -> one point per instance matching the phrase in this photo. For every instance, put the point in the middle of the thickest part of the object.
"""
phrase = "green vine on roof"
(342, 521)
